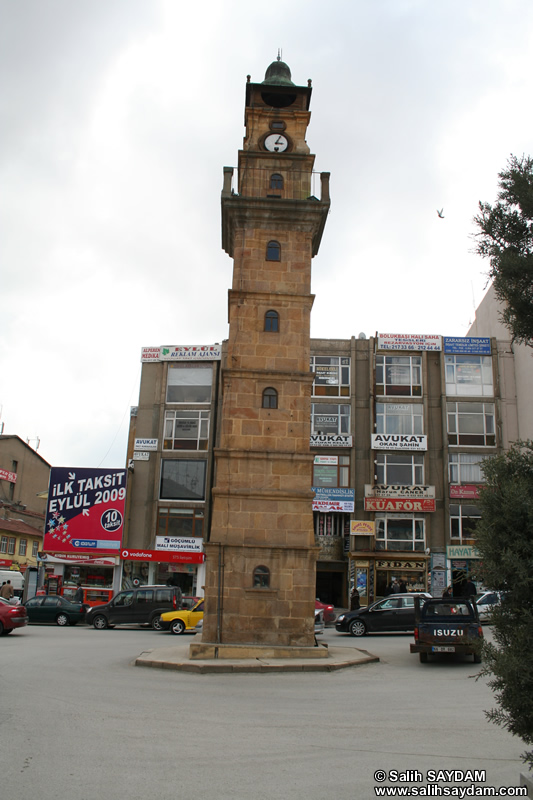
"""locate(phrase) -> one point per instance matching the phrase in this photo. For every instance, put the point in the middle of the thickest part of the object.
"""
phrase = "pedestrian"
(470, 589)
(395, 586)
(403, 587)
(78, 597)
(354, 600)
(7, 591)
(447, 593)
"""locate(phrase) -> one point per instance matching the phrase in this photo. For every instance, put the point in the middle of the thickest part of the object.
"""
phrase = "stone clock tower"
(261, 556)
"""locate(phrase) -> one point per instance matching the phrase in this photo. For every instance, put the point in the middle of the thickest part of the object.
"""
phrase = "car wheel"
(100, 622)
(357, 628)
(62, 619)
(8, 631)
(156, 623)
(423, 658)
(177, 626)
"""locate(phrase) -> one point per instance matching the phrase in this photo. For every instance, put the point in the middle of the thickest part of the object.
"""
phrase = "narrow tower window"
(273, 251)
(261, 578)
(276, 181)
(272, 321)
(270, 398)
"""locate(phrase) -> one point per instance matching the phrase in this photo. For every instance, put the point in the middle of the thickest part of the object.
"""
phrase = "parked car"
(394, 613)
(447, 625)
(319, 621)
(486, 602)
(189, 602)
(182, 620)
(53, 608)
(12, 615)
(143, 605)
(329, 611)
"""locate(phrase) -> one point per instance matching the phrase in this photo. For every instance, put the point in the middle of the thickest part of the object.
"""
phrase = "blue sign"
(467, 345)
(84, 543)
(326, 493)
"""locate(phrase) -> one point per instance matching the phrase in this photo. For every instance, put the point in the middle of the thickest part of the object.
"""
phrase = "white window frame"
(195, 416)
(332, 376)
(23, 546)
(469, 376)
(34, 549)
(418, 524)
(458, 512)
(330, 418)
(11, 545)
(386, 461)
(189, 377)
(338, 468)
(404, 366)
(459, 464)
(400, 418)
(3, 544)
(455, 412)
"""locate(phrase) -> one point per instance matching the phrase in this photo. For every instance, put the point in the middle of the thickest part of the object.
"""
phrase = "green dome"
(278, 74)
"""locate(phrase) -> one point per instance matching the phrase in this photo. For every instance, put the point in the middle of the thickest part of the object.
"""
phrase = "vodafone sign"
(162, 556)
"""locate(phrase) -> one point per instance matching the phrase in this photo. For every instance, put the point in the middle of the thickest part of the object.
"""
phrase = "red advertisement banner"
(468, 491)
(162, 556)
(398, 504)
(8, 476)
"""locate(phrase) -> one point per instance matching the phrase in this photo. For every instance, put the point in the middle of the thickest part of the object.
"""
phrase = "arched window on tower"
(270, 398)
(261, 578)
(272, 321)
(273, 251)
(276, 181)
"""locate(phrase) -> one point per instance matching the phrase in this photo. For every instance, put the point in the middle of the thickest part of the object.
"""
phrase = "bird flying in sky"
(441, 215)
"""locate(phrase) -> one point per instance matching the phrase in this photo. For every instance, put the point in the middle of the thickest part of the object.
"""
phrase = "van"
(143, 605)
(16, 578)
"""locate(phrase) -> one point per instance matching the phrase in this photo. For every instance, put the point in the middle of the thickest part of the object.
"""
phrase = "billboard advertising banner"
(85, 510)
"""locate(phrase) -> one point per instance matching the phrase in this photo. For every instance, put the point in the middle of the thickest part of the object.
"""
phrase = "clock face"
(276, 142)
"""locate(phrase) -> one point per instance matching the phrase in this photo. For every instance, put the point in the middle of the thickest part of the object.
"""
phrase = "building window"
(272, 321)
(331, 524)
(400, 532)
(332, 376)
(182, 479)
(276, 181)
(273, 252)
(465, 468)
(23, 544)
(395, 418)
(261, 578)
(399, 375)
(34, 549)
(463, 521)
(186, 430)
(180, 522)
(331, 472)
(330, 418)
(471, 424)
(399, 469)
(11, 546)
(187, 384)
(270, 398)
(3, 544)
(469, 375)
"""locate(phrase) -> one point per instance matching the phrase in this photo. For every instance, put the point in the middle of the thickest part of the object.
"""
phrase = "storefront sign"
(467, 345)
(362, 527)
(85, 510)
(331, 461)
(399, 441)
(327, 499)
(397, 504)
(330, 440)
(407, 492)
(411, 341)
(400, 564)
(8, 476)
(178, 544)
(468, 491)
(77, 558)
(145, 444)
(212, 352)
(461, 551)
(141, 456)
(5, 562)
(160, 556)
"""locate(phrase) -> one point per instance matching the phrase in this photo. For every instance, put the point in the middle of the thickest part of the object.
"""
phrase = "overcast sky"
(117, 118)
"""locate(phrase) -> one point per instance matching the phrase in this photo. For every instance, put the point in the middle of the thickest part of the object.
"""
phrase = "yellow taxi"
(183, 620)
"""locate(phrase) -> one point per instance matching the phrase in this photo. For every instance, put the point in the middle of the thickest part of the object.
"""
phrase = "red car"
(329, 611)
(11, 616)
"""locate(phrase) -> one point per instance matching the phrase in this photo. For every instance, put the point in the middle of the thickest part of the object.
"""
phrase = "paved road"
(78, 721)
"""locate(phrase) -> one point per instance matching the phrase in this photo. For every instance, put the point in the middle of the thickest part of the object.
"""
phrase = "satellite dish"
(362, 335)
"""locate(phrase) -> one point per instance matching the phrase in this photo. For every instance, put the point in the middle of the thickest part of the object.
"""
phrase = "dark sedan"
(393, 613)
(11, 616)
(55, 609)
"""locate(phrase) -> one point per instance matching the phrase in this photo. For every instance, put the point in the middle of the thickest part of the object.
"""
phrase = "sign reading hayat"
(408, 341)
(8, 476)
(85, 510)
(399, 441)
(210, 352)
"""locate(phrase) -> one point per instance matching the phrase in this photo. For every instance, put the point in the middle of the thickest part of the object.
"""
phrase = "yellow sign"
(362, 527)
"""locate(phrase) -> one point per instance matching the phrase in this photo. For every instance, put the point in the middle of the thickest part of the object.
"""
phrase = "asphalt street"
(78, 720)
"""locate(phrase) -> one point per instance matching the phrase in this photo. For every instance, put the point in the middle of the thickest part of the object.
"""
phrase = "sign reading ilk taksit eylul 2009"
(85, 510)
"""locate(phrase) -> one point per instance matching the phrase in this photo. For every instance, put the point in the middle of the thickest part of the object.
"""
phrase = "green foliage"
(505, 237)
(504, 537)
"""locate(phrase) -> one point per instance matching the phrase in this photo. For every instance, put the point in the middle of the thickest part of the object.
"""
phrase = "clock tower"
(261, 555)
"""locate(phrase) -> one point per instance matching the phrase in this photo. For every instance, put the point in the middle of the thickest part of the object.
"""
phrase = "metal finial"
(279, 53)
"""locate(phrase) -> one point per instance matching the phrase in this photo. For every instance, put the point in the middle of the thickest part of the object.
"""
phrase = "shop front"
(183, 568)
(332, 508)
(372, 574)
(464, 562)
(63, 572)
